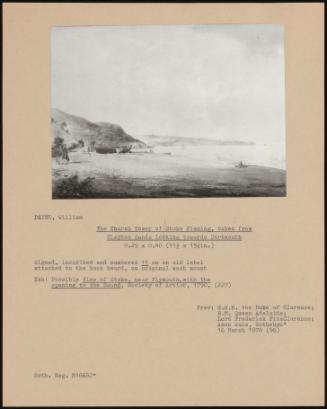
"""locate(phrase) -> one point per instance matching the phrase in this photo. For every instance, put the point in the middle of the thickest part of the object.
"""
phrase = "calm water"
(263, 155)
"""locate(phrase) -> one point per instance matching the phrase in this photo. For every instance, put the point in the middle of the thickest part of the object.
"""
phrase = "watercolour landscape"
(168, 111)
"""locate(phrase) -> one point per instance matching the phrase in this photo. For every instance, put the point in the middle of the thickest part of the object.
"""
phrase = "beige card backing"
(150, 347)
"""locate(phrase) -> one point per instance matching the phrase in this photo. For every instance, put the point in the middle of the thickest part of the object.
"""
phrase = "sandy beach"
(134, 175)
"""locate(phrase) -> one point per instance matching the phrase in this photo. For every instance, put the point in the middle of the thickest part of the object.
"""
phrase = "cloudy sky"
(210, 81)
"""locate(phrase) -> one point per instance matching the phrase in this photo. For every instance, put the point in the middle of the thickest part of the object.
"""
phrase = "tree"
(58, 141)
(57, 146)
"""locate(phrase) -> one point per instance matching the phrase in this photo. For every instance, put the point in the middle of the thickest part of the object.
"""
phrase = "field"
(146, 175)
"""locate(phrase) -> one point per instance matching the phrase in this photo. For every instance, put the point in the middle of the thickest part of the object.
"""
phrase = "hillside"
(160, 140)
(73, 129)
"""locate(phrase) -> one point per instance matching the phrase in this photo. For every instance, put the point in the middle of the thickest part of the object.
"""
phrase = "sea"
(270, 155)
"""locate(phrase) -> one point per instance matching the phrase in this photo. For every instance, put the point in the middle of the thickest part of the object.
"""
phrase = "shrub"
(58, 141)
(74, 145)
(73, 188)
